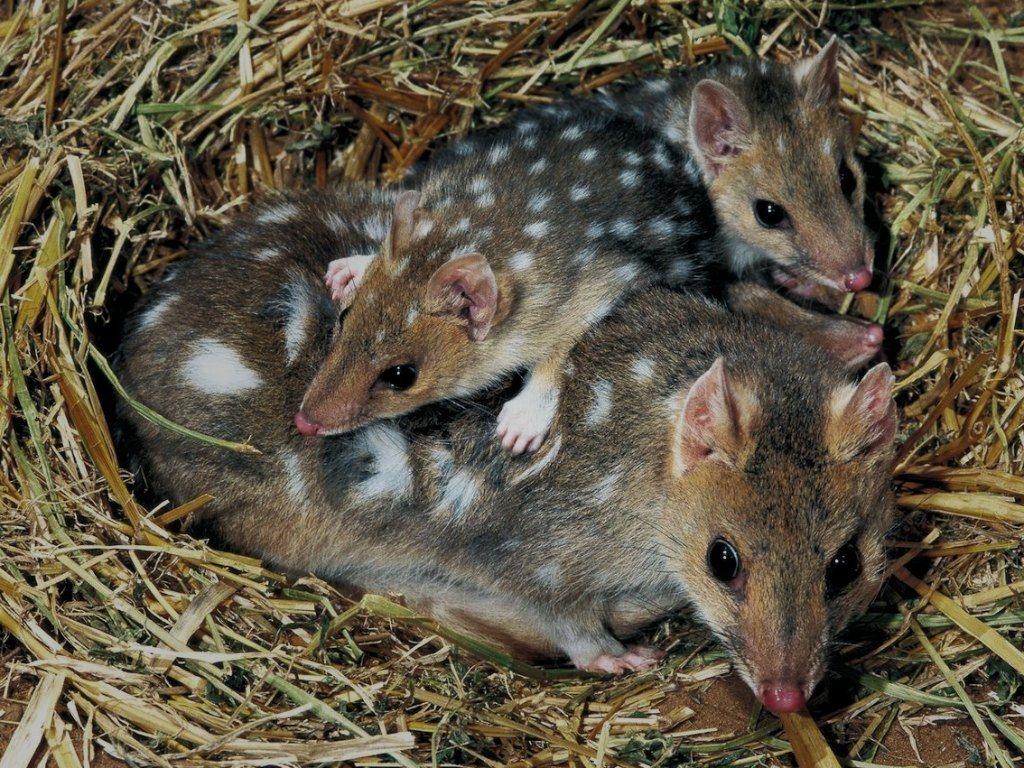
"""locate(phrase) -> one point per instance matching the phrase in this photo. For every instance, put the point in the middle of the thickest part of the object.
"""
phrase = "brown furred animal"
(696, 457)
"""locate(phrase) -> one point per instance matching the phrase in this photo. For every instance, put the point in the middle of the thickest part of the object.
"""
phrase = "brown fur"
(546, 552)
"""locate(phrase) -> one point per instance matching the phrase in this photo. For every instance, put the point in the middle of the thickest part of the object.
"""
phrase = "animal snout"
(306, 426)
(858, 279)
(783, 697)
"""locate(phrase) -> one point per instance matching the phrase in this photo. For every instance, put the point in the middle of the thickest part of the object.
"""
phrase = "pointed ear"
(465, 289)
(818, 76)
(715, 421)
(862, 417)
(719, 126)
(403, 223)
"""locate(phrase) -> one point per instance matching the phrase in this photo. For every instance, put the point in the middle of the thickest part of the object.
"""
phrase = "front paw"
(344, 276)
(524, 421)
(636, 658)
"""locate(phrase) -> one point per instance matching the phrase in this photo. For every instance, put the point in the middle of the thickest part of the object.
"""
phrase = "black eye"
(843, 570)
(768, 214)
(847, 181)
(398, 377)
(723, 560)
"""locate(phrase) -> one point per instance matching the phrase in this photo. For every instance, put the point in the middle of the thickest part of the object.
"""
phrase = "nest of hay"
(130, 129)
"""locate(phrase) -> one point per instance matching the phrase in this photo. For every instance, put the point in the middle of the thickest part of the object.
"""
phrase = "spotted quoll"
(566, 208)
(697, 457)
(765, 141)
(501, 261)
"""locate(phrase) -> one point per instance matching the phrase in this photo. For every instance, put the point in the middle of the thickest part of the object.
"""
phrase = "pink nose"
(782, 698)
(305, 426)
(857, 280)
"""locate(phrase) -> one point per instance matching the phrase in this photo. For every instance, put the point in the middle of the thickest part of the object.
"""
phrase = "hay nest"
(130, 129)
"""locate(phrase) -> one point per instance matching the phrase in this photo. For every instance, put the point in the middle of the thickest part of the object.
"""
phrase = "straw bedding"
(130, 129)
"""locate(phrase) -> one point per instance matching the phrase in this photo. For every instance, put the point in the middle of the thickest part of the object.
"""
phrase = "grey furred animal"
(532, 232)
(697, 457)
(766, 142)
(483, 275)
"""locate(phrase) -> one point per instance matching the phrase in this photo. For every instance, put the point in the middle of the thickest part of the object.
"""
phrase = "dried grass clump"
(130, 129)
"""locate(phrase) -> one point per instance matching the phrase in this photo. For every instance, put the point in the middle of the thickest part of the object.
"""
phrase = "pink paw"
(857, 342)
(524, 421)
(344, 276)
(636, 658)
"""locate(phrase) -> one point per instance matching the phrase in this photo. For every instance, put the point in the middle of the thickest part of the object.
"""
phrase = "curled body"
(697, 457)
(766, 142)
(526, 234)
(502, 260)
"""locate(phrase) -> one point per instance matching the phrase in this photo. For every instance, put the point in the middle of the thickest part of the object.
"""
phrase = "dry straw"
(129, 129)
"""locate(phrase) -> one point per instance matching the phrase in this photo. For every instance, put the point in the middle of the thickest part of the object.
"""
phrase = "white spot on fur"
(827, 146)
(479, 185)
(642, 368)
(392, 472)
(781, 143)
(602, 405)
(627, 273)
(155, 311)
(497, 153)
(460, 492)
(656, 86)
(600, 312)
(572, 133)
(538, 166)
(217, 369)
(486, 200)
(661, 226)
(280, 214)
(410, 318)
(579, 191)
(661, 158)
(526, 126)
(537, 228)
(595, 230)
(675, 134)
(588, 155)
(465, 148)
(300, 313)
(629, 179)
(423, 228)
(295, 483)
(521, 261)
(462, 225)
(605, 489)
(631, 158)
(682, 205)
(624, 227)
(375, 227)
(550, 575)
(266, 254)
(530, 142)
(539, 201)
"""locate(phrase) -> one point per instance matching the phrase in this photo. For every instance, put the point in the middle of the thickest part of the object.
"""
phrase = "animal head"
(411, 331)
(778, 158)
(777, 511)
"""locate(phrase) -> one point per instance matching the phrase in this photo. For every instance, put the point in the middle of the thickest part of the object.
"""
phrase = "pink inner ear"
(719, 125)
(708, 422)
(466, 288)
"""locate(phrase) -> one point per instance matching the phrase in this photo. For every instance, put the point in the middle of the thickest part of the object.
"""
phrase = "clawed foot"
(524, 421)
(344, 276)
(635, 658)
